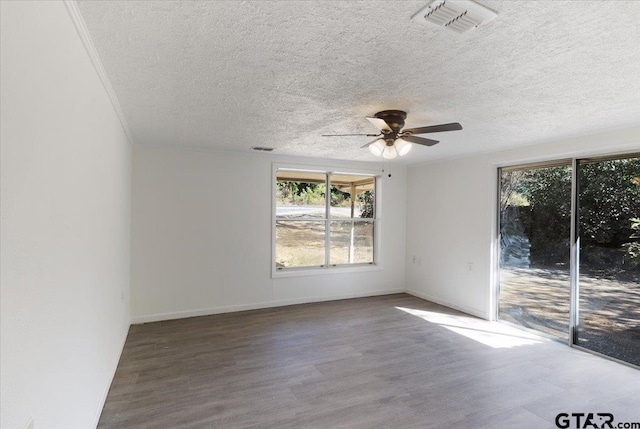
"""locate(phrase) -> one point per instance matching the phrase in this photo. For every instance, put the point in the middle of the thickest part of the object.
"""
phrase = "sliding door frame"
(563, 162)
(574, 268)
(575, 253)
(574, 260)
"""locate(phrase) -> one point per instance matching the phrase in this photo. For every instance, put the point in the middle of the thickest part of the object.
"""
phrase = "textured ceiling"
(230, 74)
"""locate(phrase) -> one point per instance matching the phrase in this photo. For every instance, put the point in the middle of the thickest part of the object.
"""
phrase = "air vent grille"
(262, 148)
(459, 16)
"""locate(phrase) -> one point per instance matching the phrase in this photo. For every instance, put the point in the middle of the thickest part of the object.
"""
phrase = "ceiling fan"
(392, 140)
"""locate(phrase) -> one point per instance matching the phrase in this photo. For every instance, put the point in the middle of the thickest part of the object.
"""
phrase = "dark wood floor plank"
(360, 363)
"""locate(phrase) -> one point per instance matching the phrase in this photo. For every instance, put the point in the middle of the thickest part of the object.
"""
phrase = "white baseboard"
(114, 367)
(256, 306)
(463, 308)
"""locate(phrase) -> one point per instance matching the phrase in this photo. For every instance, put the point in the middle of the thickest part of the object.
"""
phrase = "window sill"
(300, 272)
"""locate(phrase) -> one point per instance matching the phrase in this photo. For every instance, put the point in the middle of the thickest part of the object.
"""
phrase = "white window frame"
(327, 268)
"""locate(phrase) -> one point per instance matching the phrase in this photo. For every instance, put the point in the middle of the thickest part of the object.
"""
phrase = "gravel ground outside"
(609, 309)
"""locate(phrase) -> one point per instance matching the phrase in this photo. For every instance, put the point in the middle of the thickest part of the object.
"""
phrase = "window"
(319, 229)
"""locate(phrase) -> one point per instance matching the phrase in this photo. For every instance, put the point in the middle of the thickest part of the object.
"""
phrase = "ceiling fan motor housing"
(393, 139)
(395, 120)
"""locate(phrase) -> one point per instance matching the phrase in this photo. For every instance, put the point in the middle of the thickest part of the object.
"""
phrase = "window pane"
(351, 242)
(609, 282)
(352, 196)
(300, 195)
(535, 229)
(299, 243)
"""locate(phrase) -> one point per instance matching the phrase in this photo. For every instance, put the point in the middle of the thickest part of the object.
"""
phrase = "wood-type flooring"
(392, 361)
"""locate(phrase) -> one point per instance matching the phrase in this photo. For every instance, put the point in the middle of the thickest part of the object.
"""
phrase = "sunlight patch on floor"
(492, 334)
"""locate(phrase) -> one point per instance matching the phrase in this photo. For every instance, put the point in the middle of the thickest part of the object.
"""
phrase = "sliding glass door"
(536, 218)
(535, 231)
(608, 319)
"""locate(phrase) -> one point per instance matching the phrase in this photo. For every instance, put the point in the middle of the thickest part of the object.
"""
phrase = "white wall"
(201, 237)
(451, 217)
(65, 222)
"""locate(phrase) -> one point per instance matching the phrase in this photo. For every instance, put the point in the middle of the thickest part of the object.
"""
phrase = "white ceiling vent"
(457, 15)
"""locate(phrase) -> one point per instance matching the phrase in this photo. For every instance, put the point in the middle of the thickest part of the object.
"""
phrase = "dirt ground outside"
(302, 243)
(609, 315)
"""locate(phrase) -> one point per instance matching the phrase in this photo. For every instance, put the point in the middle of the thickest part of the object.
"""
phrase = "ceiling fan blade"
(434, 128)
(419, 140)
(370, 143)
(379, 124)
(349, 135)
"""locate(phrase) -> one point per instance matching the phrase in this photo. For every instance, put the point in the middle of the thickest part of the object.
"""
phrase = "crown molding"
(81, 28)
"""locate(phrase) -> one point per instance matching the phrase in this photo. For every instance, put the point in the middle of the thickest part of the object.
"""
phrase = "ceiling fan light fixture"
(378, 147)
(402, 146)
(393, 141)
(389, 152)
